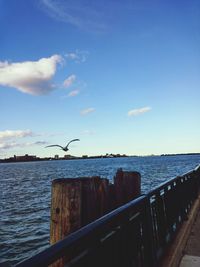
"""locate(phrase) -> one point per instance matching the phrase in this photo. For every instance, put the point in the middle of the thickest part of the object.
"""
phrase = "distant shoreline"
(29, 158)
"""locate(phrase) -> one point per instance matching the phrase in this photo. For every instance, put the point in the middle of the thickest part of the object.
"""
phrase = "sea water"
(25, 194)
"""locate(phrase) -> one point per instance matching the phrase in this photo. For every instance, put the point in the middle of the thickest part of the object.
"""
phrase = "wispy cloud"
(69, 81)
(139, 111)
(31, 77)
(38, 143)
(96, 16)
(11, 145)
(73, 93)
(10, 139)
(81, 14)
(9, 134)
(89, 132)
(77, 56)
(87, 111)
(51, 134)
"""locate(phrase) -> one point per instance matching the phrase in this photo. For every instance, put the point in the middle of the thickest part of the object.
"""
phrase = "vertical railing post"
(161, 219)
(149, 238)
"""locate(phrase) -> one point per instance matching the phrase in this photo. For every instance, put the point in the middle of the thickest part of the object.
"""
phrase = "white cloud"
(69, 81)
(77, 56)
(31, 77)
(73, 93)
(139, 111)
(8, 134)
(87, 111)
(72, 56)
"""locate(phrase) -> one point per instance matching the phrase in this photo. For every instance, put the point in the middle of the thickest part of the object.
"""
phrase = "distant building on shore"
(24, 158)
(27, 157)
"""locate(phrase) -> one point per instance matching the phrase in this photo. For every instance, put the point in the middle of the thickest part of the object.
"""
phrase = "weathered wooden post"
(112, 197)
(102, 197)
(75, 203)
(127, 186)
(65, 210)
(94, 198)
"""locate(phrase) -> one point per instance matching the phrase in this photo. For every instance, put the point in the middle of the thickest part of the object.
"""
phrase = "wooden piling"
(94, 198)
(79, 201)
(75, 203)
(127, 186)
(65, 210)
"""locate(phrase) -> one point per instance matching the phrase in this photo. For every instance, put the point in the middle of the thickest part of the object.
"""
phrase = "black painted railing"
(135, 234)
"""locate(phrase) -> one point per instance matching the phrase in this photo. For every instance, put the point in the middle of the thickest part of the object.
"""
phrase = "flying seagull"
(65, 148)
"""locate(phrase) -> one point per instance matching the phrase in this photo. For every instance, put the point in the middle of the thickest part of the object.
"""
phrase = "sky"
(122, 76)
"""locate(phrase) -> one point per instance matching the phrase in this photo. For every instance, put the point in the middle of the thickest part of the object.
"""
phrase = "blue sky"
(122, 76)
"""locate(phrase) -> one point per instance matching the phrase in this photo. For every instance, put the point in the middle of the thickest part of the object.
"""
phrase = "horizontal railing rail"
(135, 234)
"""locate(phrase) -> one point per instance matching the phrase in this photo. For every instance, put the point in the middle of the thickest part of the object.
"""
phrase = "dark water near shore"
(25, 193)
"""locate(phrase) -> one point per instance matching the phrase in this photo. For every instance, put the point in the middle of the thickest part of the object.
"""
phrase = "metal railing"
(135, 234)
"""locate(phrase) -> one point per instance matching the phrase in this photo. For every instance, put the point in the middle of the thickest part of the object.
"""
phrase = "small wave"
(26, 195)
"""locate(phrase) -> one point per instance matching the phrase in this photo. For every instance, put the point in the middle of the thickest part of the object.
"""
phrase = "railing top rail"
(170, 181)
(55, 251)
(197, 168)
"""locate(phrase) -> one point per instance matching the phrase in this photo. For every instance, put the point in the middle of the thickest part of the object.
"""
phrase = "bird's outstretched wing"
(72, 141)
(54, 145)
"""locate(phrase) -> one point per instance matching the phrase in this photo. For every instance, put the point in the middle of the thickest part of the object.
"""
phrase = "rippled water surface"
(25, 194)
